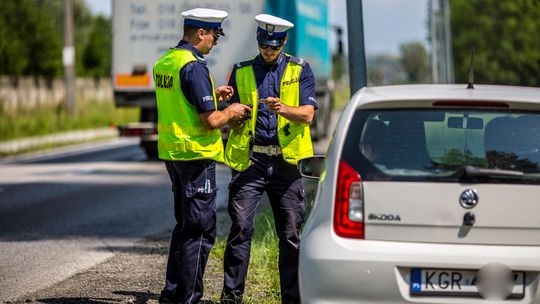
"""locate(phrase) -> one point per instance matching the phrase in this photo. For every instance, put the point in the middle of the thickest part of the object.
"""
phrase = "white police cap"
(205, 18)
(272, 30)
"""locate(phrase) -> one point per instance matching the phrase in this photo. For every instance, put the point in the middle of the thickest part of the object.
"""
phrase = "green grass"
(262, 284)
(52, 119)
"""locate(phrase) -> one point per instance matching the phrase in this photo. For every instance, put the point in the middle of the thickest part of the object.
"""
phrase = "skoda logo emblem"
(468, 198)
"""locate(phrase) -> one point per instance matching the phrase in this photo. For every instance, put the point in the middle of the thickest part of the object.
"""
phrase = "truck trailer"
(143, 30)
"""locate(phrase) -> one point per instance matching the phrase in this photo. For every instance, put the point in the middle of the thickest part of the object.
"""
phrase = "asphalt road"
(66, 211)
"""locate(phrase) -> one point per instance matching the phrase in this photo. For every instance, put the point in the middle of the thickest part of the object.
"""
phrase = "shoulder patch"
(296, 60)
(243, 64)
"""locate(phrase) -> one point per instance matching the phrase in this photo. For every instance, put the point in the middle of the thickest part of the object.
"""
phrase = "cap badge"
(270, 28)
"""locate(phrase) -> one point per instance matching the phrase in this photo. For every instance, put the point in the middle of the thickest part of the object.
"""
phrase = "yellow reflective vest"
(181, 133)
(294, 138)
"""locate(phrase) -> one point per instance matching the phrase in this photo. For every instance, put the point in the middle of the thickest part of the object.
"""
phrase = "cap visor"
(270, 42)
(219, 30)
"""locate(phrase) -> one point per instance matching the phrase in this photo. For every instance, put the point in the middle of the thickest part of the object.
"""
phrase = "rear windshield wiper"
(470, 171)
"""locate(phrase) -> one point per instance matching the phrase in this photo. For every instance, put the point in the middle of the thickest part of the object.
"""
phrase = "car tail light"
(349, 208)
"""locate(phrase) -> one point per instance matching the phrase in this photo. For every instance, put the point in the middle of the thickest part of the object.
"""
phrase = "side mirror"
(312, 167)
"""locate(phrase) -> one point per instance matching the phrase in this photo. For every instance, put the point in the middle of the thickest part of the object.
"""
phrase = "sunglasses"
(213, 33)
(264, 47)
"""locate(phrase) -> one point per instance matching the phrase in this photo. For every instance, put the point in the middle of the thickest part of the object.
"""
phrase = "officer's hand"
(237, 111)
(224, 93)
(274, 104)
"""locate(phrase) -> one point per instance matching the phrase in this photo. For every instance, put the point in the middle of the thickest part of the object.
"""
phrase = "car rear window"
(444, 144)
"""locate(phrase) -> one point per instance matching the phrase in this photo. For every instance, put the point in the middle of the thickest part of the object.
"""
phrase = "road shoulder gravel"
(135, 275)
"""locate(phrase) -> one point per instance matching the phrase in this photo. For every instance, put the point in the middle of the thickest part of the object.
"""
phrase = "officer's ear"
(284, 41)
(200, 33)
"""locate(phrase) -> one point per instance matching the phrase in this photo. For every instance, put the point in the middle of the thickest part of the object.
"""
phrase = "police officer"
(263, 152)
(190, 143)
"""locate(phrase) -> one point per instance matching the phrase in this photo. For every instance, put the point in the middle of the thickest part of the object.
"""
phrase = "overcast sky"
(387, 22)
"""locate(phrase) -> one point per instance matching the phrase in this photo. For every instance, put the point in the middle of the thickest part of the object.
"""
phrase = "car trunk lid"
(506, 214)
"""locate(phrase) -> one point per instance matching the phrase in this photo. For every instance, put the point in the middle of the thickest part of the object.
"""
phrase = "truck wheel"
(150, 148)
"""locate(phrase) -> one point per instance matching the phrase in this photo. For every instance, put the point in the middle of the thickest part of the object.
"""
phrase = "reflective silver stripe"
(268, 150)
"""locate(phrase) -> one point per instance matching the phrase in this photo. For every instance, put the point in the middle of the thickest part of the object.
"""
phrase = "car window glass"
(421, 144)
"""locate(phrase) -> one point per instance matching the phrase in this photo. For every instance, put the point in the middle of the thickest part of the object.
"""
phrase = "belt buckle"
(272, 151)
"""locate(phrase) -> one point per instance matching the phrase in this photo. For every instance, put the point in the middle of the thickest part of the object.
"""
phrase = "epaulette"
(296, 60)
(244, 63)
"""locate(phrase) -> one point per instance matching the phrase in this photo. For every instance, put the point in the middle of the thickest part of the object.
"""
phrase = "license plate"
(448, 282)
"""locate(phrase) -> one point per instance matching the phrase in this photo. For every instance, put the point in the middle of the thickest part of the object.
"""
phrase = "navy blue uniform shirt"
(195, 81)
(268, 79)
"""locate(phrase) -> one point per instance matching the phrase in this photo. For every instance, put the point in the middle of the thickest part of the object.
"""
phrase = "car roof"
(387, 96)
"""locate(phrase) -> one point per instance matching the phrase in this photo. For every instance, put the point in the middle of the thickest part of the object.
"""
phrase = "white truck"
(144, 29)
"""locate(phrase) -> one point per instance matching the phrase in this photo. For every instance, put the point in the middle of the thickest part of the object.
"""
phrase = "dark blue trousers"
(283, 185)
(194, 188)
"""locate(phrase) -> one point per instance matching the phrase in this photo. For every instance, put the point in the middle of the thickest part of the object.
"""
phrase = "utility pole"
(357, 52)
(449, 62)
(442, 63)
(68, 57)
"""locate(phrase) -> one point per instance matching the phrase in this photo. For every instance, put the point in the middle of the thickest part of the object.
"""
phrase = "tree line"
(32, 39)
(505, 35)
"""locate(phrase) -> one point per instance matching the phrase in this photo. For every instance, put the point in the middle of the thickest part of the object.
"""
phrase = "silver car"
(428, 194)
